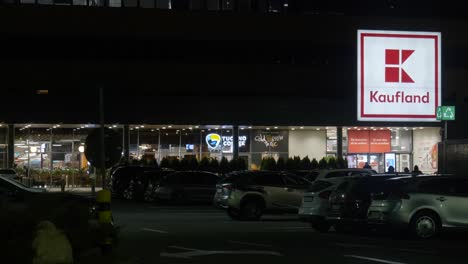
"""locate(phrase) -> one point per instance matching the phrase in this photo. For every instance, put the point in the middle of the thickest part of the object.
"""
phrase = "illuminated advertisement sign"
(399, 75)
(365, 141)
(217, 142)
(213, 140)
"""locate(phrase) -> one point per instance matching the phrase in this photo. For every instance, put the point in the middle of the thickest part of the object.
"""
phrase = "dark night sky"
(158, 66)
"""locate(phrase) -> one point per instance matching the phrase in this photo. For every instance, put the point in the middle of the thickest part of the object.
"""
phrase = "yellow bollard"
(105, 219)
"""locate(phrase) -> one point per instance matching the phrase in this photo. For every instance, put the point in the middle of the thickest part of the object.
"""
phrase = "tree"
(268, 164)
(290, 164)
(184, 164)
(193, 163)
(214, 165)
(297, 163)
(332, 163)
(204, 164)
(237, 164)
(165, 163)
(305, 163)
(280, 164)
(272, 164)
(224, 165)
(314, 164)
(174, 163)
(323, 164)
(241, 164)
(341, 163)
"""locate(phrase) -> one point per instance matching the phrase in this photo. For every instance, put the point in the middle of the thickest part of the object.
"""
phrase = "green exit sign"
(446, 113)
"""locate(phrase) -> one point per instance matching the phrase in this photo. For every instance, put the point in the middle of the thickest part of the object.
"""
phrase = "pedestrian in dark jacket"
(416, 170)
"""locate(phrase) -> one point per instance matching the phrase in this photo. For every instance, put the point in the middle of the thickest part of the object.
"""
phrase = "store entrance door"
(376, 162)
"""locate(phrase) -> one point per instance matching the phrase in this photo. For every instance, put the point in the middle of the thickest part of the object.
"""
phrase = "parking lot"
(202, 234)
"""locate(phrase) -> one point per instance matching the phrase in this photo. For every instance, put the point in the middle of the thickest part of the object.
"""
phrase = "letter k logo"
(394, 60)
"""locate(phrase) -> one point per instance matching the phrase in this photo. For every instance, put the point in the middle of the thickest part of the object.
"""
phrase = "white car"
(315, 202)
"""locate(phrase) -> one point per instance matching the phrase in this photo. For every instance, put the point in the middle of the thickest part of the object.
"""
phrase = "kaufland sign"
(398, 75)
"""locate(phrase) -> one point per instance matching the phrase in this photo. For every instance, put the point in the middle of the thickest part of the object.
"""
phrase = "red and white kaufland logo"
(398, 75)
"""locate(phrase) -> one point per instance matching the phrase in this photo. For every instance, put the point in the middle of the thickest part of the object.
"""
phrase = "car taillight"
(325, 194)
(227, 187)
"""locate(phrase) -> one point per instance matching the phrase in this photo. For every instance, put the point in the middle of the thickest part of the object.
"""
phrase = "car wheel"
(233, 214)
(128, 193)
(149, 195)
(321, 226)
(425, 225)
(251, 210)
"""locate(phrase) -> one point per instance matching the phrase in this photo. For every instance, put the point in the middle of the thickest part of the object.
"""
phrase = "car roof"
(421, 176)
(7, 171)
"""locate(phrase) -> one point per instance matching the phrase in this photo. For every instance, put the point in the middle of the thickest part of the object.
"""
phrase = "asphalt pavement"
(202, 234)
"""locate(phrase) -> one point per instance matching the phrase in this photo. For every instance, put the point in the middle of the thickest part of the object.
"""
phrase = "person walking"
(416, 170)
(367, 166)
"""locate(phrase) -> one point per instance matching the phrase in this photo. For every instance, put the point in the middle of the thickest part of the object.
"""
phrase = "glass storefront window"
(331, 140)
(3, 146)
(401, 140)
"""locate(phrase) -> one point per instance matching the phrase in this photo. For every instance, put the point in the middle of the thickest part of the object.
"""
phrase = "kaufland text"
(398, 97)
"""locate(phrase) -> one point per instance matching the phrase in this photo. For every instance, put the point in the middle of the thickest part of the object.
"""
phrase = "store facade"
(50, 147)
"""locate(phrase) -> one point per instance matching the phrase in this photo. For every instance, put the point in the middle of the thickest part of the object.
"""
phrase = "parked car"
(425, 204)
(247, 195)
(338, 173)
(187, 186)
(22, 208)
(309, 175)
(315, 203)
(8, 173)
(129, 182)
(151, 180)
(351, 199)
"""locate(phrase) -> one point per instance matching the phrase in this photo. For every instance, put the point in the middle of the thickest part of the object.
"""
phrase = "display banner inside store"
(369, 141)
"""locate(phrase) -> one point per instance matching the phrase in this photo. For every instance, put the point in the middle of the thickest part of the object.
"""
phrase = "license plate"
(308, 199)
(336, 207)
(218, 190)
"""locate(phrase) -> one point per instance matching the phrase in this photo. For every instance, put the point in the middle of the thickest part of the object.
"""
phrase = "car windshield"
(14, 182)
(317, 186)
(7, 171)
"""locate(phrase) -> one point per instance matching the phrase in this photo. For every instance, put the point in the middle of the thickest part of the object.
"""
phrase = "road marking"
(374, 259)
(289, 227)
(248, 243)
(154, 230)
(386, 248)
(191, 252)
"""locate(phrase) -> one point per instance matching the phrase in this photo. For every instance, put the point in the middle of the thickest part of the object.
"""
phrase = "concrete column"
(126, 142)
(235, 142)
(11, 146)
(339, 141)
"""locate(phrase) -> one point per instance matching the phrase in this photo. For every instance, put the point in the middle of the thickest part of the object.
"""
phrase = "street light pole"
(102, 164)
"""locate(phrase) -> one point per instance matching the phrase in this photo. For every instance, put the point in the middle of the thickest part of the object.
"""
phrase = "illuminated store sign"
(269, 140)
(218, 142)
(398, 75)
(213, 140)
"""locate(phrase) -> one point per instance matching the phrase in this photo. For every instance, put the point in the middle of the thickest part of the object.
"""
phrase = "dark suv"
(246, 195)
(132, 182)
(351, 199)
(187, 186)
